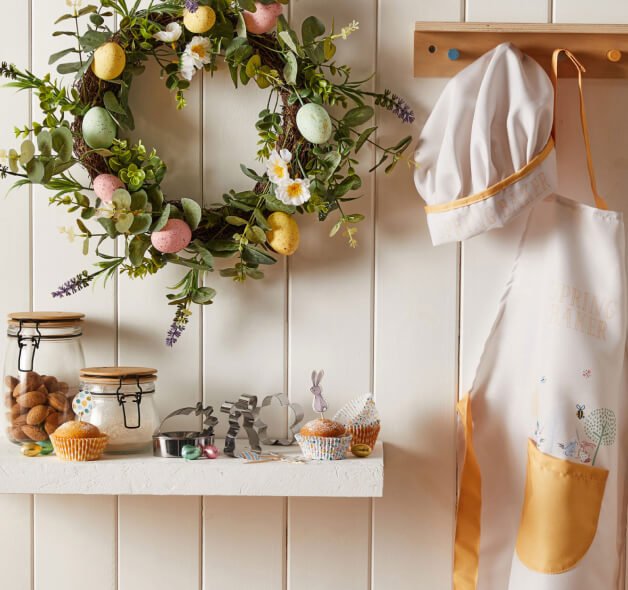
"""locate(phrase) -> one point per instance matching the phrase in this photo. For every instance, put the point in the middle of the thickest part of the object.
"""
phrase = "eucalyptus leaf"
(92, 40)
(137, 248)
(334, 230)
(141, 224)
(112, 104)
(255, 256)
(27, 152)
(203, 295)
(363, 138)
(156, 197)
(69, 68)
(291, 68)
(235, 220)
(274, 204)
(44, 142)
(62, 143)
(163, 218)
(121, 199)
(109, 226)
(358, 116)
(192, 212)
(311, 28)
(55, 57)
(139, 200)
(125, 220)
(288, 40)
(35, 171)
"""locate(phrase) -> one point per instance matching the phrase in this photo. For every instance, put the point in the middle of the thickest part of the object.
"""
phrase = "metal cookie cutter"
(241, 414)
(262, 427)
(169, 444)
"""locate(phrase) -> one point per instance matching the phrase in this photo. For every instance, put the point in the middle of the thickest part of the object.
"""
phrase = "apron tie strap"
(467, 542)
(600, 202)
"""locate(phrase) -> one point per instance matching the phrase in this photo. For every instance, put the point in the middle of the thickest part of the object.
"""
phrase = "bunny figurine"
(319, 404)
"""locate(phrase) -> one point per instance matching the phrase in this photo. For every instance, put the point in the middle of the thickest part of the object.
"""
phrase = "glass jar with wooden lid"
(123, 406)
(42, 360)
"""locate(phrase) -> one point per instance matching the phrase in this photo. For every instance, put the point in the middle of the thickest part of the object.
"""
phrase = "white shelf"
(225, 476)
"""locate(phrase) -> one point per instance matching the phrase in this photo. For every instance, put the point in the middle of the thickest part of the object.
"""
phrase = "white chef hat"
(486, 151)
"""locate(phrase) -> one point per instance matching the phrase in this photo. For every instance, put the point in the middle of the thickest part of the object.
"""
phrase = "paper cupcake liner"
(324, 448)
(79, 449)
(360, 411)
(364, 435)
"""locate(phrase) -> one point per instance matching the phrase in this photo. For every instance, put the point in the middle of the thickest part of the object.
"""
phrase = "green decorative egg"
(99, 129)
(46, 447)
(190, 452)
(314, 123)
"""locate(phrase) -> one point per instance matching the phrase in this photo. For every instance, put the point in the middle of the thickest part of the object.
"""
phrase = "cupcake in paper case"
(361, 419)
(78, 441)
(324, 440)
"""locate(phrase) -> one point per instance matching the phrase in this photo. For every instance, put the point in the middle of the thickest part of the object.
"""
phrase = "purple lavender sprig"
(395, 104)
(74, 285)
(179, 322)
(191, 5)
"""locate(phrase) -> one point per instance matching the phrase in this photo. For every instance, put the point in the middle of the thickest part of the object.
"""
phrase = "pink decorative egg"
(264, 19)
(175, 236)
(105, 185)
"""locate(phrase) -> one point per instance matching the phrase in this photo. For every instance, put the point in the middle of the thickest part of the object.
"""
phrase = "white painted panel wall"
(407, 322)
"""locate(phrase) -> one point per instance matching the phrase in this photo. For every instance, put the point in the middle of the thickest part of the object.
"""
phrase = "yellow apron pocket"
(560, 512)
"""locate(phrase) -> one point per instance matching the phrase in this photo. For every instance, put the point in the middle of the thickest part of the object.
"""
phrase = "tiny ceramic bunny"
(319, 404)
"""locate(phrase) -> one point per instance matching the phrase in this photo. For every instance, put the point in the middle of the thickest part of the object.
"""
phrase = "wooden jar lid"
(45, 319)
(108, 375)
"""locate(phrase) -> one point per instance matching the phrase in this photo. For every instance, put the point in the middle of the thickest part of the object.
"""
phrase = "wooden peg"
(613, 55)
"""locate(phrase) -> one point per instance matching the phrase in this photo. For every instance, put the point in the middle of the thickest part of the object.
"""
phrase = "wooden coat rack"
(443, 49)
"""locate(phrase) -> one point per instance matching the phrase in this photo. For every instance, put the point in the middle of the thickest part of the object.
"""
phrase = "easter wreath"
(309, 156)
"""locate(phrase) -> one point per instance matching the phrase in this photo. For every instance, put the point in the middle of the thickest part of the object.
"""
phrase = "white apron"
(545, 419)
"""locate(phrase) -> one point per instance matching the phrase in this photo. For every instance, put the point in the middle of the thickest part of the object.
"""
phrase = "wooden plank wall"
(396, 316)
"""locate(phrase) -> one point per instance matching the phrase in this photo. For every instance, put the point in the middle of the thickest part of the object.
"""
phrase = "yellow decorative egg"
(199, 21)
(361, 450)
(283, 236)
(109, 61)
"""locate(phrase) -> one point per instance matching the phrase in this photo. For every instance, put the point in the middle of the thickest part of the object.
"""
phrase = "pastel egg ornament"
(109, 61)
(284, 236)
(105, 185)
(264, 19)
(174, 236)
(199, 21)
(99, 129)
(314, 123)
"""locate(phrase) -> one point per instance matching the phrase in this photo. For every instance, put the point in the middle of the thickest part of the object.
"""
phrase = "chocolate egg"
(314, 123)
(361, 450)
(264, 19)
(105, 185)
(109, 61)
(284, 236)
(210, 452)
(199, 21)
(99, 129)
(190, 452)
(175, 236)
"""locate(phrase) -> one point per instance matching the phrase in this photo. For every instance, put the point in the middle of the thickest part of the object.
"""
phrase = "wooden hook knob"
(613, 55)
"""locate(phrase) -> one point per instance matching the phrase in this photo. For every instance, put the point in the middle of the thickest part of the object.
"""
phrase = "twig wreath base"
(309, 157)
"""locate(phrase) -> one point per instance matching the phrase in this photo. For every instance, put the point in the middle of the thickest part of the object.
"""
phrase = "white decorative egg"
(314, 123)
(99, 129)
(105, 185)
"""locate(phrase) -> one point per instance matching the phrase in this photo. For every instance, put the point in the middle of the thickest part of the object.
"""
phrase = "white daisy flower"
(171, 34)
(277, 166)
(294, 191)
(197, 54)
